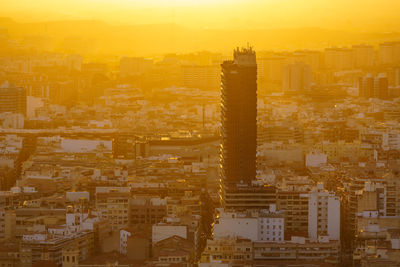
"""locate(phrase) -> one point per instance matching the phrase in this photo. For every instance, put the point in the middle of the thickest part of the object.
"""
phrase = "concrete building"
(270, 69)
(338, 58)
(9, 254)
(282, 132)
(296, 78)
(227, 249)
(389, 53)
(134, 244)
(254, 196)
(340, 150)
(12, 99)
(363, 56)
(162, 231)
(75, 197)
(147, 210)
(259, 226)
(205, 77)
(323, 214)
(70, 257)
(374, 87)
(299, 249)
(239, 122)
(269, 73)
(276, 154)
(294, 201)
(113, 204)
(34, 245)
(315, 159)
(173, 250)
(7, 224)
(130, 66)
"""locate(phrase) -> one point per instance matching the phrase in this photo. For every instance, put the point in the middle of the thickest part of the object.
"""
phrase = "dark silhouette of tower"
(239, 125)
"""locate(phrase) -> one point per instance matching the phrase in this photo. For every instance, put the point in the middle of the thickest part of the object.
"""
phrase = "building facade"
(12, 99)
(239, 121)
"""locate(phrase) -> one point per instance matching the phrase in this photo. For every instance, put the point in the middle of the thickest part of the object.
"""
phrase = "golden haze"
(160, 26)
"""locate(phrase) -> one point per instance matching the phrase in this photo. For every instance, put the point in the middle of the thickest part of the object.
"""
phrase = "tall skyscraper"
(239, 133)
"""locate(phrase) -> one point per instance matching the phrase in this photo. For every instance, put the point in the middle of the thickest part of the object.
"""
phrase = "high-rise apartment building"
(296, 78)
(294, 201)
(323, 214)
(374, 87)
(389, 53)
(12, 99)
(204, 77)
(363, 56)
(270, 69)
(239, 122)
(338, 58)
(134, 66)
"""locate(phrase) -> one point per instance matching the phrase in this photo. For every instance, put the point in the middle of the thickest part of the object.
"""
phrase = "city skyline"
(141, 133)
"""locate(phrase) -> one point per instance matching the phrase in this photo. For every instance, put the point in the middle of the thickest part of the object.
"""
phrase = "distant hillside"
(91, 37)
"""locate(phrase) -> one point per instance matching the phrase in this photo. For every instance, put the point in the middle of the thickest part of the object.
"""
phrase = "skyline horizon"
(99, 38)
(234, 14)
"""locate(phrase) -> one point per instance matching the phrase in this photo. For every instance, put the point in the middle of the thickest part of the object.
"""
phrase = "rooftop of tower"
(245, 56)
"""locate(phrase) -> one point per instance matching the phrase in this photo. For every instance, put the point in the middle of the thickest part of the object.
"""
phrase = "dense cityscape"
(249, 157)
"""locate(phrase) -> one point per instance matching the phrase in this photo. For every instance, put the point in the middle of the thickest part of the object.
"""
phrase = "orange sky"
(360, 15)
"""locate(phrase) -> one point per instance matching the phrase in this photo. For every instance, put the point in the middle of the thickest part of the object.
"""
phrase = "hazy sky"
(334, 14)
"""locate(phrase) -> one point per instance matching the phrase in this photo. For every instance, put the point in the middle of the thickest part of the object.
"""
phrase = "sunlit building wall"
(389, 53)
(363, 56)
(205, 77)
(296, 78)
(338, 58)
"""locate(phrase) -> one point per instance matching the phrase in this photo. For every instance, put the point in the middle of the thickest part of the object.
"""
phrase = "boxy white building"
(257, 226)
(323, 214)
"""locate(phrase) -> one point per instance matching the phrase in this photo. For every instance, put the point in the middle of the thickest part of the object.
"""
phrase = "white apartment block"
(323, 214)
(258, 226)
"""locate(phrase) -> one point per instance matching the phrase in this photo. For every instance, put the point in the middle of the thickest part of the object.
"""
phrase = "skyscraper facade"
(239, 120)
